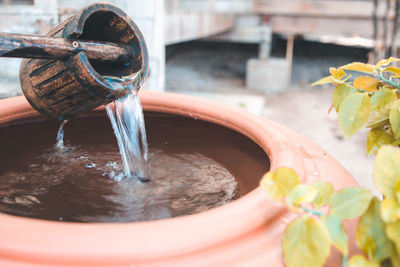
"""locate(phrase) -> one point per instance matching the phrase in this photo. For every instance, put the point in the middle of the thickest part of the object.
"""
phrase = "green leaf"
(350, 202)
(371, 236)
(383, 99)
(378, 120)
(354, 113)
(396, 142)
(360, 261)
(306, 243)
(376, 138)
(337, 233)
(394, 118)
(366, 83)
(360, 67)
(325, 191)
(387, 170)
(301, 194)
(394, 257)
(393, 232)
(385, 62)
(280, 182)
(390, 210)
(340, 92)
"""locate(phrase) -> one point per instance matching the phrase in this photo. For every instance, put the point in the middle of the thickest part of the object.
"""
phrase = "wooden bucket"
(64, 88)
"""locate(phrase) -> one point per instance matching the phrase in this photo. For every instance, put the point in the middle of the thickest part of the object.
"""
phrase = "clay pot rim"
(127, 242)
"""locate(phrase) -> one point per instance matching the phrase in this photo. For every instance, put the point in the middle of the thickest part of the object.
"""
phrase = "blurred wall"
(39, 16)
(35, 17)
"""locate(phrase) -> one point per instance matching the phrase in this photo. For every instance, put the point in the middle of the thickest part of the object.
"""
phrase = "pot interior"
(195, 166)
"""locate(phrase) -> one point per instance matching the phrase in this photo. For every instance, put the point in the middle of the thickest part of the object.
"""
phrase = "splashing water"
(126, 116)
(60, 136)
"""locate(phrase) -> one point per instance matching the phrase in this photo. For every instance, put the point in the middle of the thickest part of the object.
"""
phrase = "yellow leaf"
(325, 191)
(390, 210)
(340, 92)
(300, 194)
(337, 73)
(393, 232)
(340, 74)
(383, 99)
(350, 202)
(337, 233)
(393, 70)
(371, 236)
(325, 80)
(385, 62)
(365, 83)
(306, 243)
(394, 118)
(387, 170)
(376, 138)
(280, 182)
(397, 190)
(333, 72)
(360, 261)
(360, 67)
(354, 113)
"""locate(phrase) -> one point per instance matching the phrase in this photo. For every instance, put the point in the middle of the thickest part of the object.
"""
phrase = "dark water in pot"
(195, 166)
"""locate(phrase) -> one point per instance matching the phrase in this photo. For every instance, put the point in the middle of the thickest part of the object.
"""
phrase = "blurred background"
(258, 55)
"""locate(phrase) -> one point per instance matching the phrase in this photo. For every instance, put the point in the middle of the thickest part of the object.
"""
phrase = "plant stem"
(312, 212)
(390, 82)
(345, 262)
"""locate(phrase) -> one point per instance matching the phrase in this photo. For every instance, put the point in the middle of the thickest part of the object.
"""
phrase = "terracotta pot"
(245, 232)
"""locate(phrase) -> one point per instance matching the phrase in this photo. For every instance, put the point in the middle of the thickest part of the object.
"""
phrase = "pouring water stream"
(127, 121)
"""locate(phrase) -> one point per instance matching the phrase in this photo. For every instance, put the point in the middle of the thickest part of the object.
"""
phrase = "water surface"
(195, 166)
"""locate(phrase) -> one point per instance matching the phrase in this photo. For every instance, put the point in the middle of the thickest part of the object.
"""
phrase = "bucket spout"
(68, 71)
